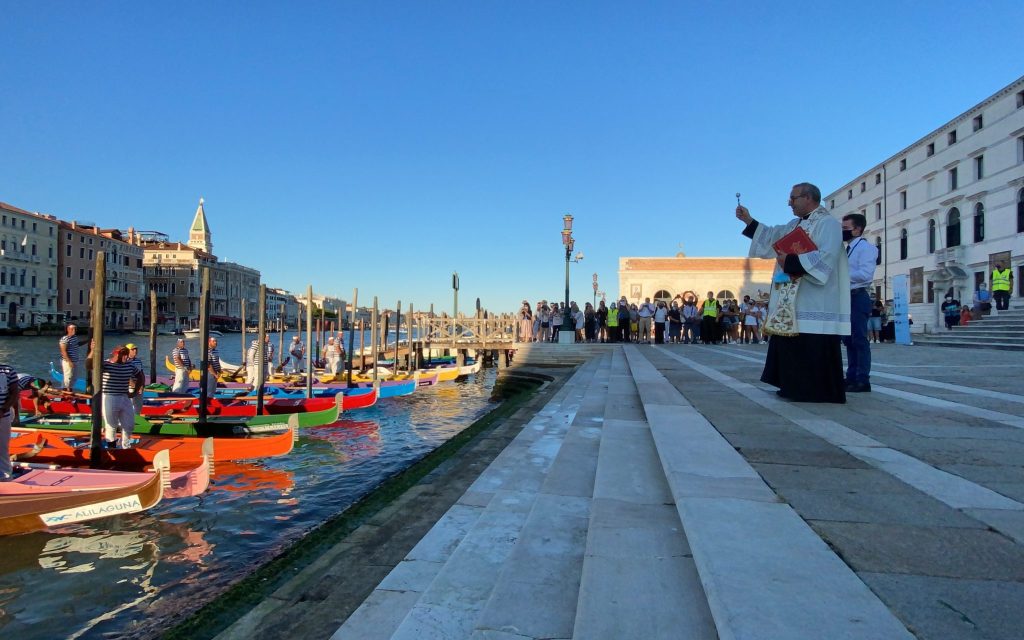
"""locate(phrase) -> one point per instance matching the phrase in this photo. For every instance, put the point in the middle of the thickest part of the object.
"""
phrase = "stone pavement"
(664, 492)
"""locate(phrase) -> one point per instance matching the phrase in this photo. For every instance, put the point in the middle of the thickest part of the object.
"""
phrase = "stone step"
(534, 595)
(937, 342)
(422, 596)
(765, 572)
(639, 579)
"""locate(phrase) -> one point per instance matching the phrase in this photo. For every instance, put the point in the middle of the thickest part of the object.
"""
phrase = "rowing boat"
(40, 478)
(25, 513)
(72, 448)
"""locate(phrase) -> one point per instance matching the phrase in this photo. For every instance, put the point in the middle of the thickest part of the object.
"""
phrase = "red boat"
(243, 408)
(72, 448)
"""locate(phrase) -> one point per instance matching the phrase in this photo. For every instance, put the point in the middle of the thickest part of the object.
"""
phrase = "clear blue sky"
(382, 145)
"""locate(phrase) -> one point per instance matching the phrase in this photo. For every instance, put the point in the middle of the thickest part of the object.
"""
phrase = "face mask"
(847, 235)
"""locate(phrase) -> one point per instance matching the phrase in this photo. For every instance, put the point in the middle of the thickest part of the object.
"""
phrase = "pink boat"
(43, 479)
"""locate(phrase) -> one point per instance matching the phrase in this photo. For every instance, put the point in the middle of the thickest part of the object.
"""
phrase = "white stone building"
(28, 268)
(944, 209)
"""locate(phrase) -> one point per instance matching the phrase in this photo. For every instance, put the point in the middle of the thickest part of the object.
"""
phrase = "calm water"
(120, 575)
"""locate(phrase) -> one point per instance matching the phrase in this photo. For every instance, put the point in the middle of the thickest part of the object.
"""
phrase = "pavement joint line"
(1007, 419)
(765, 571)
(950, 489)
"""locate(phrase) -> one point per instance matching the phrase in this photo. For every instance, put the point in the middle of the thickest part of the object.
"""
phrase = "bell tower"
(199, 233)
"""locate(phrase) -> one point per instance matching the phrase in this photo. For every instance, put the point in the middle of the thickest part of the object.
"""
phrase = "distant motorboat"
(195, 333)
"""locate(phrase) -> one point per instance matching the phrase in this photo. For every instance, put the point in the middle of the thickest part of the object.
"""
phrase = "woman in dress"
(525, 323)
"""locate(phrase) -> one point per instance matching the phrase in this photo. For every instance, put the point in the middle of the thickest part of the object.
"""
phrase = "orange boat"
(71, 448)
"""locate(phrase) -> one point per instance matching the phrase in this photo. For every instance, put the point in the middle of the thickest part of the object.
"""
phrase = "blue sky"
(383, 145)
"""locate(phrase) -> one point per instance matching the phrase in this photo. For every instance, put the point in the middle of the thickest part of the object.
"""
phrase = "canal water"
(119, 576)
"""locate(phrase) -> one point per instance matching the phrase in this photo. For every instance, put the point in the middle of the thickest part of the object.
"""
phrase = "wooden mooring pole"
(99, 292)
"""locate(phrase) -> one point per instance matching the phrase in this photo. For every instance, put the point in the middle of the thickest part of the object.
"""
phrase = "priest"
(809, 307)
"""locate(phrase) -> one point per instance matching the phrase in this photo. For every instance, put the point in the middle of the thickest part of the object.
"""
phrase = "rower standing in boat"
(252, 366)
(332, 356)
(295, 351)
(133, 358)
(214, 368)
(118, 411)
(182, 366)
(8, 417)
(69, 355)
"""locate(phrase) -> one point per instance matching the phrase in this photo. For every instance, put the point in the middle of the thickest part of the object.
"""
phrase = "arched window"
(979, 222)
(878, 245)
(725, 294)
(931, 236)
(953, 228)
(903, 244)
(662, 295)
(1020, 211)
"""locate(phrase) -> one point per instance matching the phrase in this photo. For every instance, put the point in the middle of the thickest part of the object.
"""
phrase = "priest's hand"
(780, 257)
(743, 214)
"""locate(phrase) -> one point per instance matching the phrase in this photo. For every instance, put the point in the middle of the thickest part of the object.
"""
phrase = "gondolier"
(252, 364)
(213, 367)
(332, 356)
(118, 411)
(133, 358)
(182, 367)
(295, 352)
(69, 355)
(8, 416)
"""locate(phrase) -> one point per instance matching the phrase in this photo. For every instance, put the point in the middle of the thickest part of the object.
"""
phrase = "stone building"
(943, 210)
(78, 244)
(682, 277)
(28, 268)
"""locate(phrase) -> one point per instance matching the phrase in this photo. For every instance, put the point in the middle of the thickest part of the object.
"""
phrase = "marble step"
(421, 596)
(765, 572)
(639, 579)
(534, 595)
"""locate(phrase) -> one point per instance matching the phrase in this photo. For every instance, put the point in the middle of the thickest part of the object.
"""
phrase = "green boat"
(171, 427)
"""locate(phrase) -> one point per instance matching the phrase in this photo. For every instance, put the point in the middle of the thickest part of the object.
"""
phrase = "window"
(903, 200)
(81, 274)
(977, 123)
(931, 291)
(81, 297)
(931, 236)
(863, 186)
(1020, 99)
(930, 151)
(68, 252)
(979, 167)
(81, 252)
(878, 178)
(979, 222)
(833, 204)
(878, 245)
(903, 164)
(903, 244)
(951, 137)
(1020, 149)
(849, 194)
(953, 228)
(1020, 211)
(878, 211)
(90, 254)
(67, 272)
(954, 183)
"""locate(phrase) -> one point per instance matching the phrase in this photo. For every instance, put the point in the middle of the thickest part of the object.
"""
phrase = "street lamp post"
(568, 328)
(595, 291)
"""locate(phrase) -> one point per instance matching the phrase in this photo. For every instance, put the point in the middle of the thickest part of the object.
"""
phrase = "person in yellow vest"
(1002, 283)
(613, 323)
(709, 319)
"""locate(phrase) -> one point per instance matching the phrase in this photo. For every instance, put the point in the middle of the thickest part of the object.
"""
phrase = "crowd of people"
(678, 321)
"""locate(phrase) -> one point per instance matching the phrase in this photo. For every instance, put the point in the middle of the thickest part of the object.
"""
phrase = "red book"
(796, 241)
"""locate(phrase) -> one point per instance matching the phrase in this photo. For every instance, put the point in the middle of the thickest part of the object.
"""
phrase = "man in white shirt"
(862, 256)
(645, 312)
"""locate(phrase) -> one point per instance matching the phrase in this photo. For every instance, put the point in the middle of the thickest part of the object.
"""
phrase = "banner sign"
(901, 310)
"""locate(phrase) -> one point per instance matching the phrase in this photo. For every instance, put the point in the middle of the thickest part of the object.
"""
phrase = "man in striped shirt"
(8, 415)
(118, 411)
(69, 355)
(182, 366)
(133, 358)
(213, 367)
(252, 366)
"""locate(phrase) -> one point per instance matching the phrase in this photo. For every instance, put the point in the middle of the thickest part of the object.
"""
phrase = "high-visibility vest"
(1001, 280)
(613, 317)
(710, 308)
